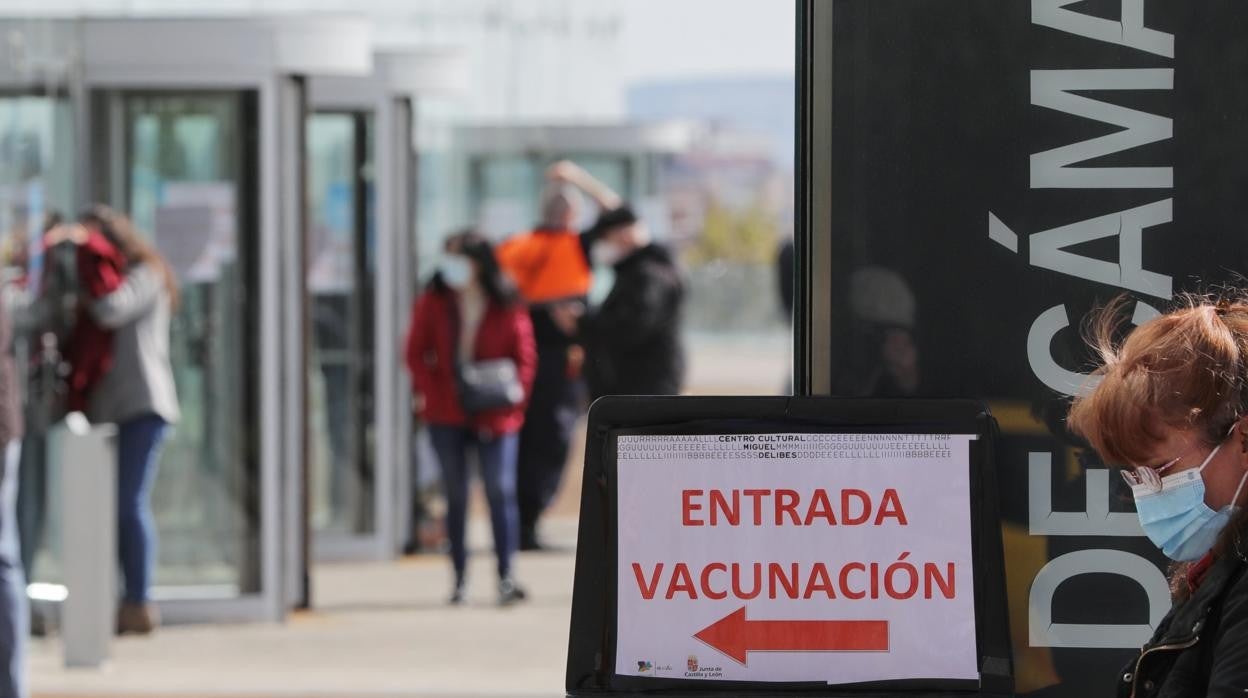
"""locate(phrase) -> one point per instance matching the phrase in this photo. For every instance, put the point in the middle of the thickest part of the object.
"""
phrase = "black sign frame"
(591, 649)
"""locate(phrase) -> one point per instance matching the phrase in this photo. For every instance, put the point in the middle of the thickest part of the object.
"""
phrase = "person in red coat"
(470, 315)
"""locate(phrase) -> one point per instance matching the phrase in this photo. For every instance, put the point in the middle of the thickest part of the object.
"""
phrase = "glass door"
(341, 283)
(183, 165)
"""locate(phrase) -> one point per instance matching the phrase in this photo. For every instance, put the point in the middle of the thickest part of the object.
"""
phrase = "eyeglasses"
(1148, 477)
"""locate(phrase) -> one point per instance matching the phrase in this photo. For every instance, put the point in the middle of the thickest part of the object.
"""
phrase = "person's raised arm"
(570, 172)
(129, 301)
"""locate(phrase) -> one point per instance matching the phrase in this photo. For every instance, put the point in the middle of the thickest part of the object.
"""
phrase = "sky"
(666, 39)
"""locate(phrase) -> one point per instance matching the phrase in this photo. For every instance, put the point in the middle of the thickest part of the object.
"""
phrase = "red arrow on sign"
(735, 636)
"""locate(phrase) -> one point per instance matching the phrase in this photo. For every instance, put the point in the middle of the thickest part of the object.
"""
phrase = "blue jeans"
(138, 453)
(32, 496)
(497, 457)
(14, 608)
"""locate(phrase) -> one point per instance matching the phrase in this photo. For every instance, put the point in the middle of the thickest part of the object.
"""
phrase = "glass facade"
(204, 177)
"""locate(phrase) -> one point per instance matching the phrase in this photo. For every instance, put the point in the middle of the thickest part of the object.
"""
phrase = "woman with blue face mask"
(472, 357)
(1170, 407)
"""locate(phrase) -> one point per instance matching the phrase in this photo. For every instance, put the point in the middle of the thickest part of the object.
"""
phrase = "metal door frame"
(276, 352)
(390, 93)
(812, 316)
(392, 144)
(110, 146)
(334, 546)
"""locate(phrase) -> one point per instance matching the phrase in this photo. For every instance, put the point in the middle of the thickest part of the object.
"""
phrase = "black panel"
(934, 128)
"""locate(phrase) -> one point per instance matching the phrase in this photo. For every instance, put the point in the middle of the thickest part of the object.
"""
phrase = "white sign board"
(795, 557)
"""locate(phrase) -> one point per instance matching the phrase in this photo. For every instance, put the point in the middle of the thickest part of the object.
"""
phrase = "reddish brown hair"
(1185, 369)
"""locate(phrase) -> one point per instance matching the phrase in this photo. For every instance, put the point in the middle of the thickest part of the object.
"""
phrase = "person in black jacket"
(1171, 408)
(632, 340)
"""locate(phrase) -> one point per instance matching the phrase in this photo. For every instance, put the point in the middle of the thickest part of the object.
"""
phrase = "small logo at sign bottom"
(697, 670)
(644, 666)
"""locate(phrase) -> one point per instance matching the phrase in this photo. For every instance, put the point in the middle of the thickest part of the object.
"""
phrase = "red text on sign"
(784, 507)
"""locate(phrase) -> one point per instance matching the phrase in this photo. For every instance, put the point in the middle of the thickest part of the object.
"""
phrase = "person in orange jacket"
(551, 267)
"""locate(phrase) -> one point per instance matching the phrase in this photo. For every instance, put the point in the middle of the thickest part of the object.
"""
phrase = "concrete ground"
(379, 629)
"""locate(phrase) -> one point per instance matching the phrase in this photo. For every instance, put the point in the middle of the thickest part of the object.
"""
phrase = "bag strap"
(457, 329)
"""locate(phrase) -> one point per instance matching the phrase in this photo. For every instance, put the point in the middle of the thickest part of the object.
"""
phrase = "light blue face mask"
(456, 271)
(1176, 518)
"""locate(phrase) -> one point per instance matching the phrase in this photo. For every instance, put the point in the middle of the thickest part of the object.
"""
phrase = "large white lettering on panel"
(1130, 31)
(1054, 89)
(1046, 633)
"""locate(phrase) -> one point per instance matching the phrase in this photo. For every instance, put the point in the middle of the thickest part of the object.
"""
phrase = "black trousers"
(547, 434)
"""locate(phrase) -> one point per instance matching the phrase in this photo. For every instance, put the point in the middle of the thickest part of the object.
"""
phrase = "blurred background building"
(301, 161)
(313, 154)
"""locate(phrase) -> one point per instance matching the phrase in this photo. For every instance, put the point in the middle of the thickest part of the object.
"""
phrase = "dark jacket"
(504, 333)
(1201, 646)
(632, 340)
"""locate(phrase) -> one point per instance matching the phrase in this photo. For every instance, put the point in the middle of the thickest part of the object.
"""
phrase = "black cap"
(613, 218)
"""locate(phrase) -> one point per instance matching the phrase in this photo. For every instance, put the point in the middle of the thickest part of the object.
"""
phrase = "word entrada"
(783, 507)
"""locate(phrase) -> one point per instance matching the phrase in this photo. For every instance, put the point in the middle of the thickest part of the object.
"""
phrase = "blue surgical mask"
(456, 271)
(1177, 520)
